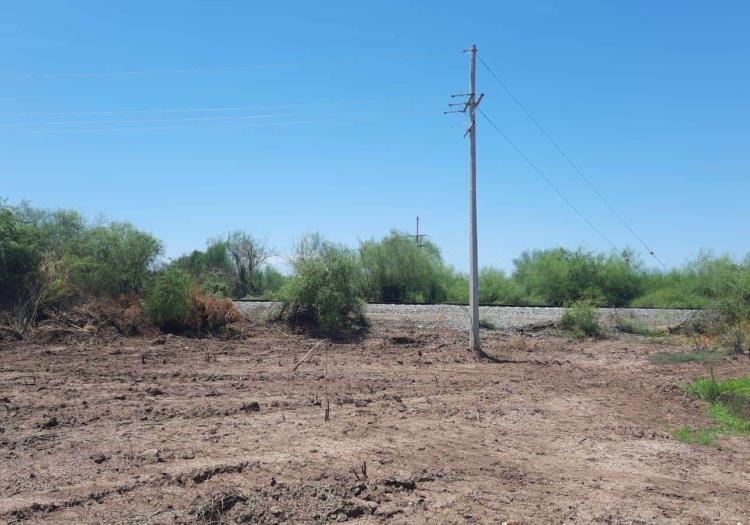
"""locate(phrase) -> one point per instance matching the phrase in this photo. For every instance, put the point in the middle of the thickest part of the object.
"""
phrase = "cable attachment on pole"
(469, 105)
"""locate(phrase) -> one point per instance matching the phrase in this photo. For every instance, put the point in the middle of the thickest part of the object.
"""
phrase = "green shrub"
(175, 304)
(101, 260)
(729, 407)
(269, 280)
(696, 285)
(54, 258)
(112, 260)
(497, 288)
(397, 269)
(558, 277)
(20, 254)
(732, 302)
(211, 269)
(695, 436)
(325, 291)
(731, 412)
(167, 300)
(709, 389)
(456, 288)
(700, 356)
(582, 320)
(233, 267)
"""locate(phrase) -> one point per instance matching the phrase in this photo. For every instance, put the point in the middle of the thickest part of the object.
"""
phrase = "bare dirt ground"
(178, 430)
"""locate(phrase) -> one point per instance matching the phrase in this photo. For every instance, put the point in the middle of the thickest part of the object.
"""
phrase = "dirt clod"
(47, 423)
(98, 458)
(251, 406)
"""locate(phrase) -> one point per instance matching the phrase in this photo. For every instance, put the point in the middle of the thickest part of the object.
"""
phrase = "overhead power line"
(547, 180)
(143, 72)
(156, 110)
(149, 121)
(204, 109)
(570, 162)
(263, 124)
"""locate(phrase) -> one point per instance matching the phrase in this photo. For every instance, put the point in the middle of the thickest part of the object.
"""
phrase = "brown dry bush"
(94, 318)
(518, 342)
(124, 313)
(209, 314)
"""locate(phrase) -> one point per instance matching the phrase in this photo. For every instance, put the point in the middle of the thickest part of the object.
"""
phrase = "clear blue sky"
(193, 118)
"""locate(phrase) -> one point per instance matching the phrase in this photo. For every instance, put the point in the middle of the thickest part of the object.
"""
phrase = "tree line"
(399, 270)
(57, 258)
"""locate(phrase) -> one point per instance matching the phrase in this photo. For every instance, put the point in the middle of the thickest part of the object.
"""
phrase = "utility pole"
(473, 252)
(470, 107)
(418, 236)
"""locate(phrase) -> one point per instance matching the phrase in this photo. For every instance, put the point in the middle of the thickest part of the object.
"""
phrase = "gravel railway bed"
(503, 317)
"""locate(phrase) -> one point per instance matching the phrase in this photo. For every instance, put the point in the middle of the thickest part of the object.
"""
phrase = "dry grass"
(208, 509)
(208, 314)
(518, 342)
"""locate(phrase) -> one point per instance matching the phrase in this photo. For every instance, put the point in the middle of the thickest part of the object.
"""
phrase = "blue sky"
(191, 118)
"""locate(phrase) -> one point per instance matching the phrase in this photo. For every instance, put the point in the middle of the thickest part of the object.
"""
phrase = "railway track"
(503, 317)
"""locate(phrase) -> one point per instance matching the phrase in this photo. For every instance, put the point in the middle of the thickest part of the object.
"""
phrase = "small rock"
(251, 406)
(387, 510)
(187, 454)
(152, 455)
(98, 458)
(368, 506)
(50, 422)
(154, 391)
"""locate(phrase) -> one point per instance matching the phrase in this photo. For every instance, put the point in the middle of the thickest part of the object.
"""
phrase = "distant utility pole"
(418, 237)
(470, 107)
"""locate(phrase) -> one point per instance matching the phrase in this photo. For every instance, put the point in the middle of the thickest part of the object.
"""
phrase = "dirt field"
(207, 431)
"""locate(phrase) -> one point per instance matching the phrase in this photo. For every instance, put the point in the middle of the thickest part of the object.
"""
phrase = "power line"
(204, 109)
(156, 110)
(570, 161)
(547, 179)
(167, 71)
(143, 72)
(149, 121)
(264, 124)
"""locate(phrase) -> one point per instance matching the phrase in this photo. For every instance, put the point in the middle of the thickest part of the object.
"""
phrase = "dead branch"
(309, 352)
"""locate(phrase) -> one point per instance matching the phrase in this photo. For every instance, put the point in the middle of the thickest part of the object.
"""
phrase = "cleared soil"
(132, 430)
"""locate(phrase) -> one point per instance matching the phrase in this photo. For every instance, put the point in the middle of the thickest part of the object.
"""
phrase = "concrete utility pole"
(470, 107)
(473, 252)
